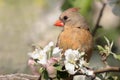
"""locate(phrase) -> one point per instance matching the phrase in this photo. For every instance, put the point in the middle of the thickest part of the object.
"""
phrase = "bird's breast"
(75, 39)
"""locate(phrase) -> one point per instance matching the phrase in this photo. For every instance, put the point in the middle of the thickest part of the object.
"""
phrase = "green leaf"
(116, 56)
(41, 69)
(51, 51)
(45, 74)
(100, 48)
(108, 42)
(36, 60)
(58, 67)
(111, 44)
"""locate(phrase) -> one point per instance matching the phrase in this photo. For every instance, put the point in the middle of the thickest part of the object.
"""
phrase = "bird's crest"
(74, 9)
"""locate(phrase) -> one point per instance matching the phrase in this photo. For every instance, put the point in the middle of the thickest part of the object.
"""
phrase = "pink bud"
(52, 61)
(31, 63)
(51, 71)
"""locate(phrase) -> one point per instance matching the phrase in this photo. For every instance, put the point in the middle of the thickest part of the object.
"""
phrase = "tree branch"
(97, 26)
(18, 76)
(107, 69)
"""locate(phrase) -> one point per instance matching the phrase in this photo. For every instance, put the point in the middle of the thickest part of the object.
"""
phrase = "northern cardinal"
(75, 33)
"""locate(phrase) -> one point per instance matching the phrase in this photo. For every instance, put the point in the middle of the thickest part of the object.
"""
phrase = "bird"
(75, 34)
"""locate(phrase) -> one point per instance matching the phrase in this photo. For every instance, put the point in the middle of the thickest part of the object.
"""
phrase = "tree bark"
(18, 76)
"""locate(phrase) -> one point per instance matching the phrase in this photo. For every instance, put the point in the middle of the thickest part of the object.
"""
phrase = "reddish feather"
(74, 9)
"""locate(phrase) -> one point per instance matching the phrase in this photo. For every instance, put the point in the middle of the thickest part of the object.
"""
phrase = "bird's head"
(71, 18)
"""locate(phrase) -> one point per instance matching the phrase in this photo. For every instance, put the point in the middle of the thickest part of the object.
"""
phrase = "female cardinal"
(75, 34)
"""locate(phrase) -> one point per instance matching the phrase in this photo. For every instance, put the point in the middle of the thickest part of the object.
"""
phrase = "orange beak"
(59, 23)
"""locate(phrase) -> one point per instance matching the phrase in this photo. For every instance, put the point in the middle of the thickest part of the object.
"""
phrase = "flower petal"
(34, 56)
(70, 68)
(48, 47)
(42, 59)
(56, 52)
(51, 44)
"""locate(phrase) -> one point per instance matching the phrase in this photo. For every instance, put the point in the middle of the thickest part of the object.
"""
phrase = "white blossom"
(42, 59)
(48, 47)
(40, 55)
(71, 56)
(56, 52)
(51, 44)
(70, 68)
(86, 71)
(34, 54)
(89, 72)
(74, 61)
(82, 62)
(82, 53)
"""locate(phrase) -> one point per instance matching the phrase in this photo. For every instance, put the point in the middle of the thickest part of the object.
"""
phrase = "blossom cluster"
(49, 56)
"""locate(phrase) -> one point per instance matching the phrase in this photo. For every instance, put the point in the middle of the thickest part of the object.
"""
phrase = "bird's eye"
(65, 17)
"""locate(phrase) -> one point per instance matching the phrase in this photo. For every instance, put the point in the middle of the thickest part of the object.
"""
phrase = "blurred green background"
(27, 22)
